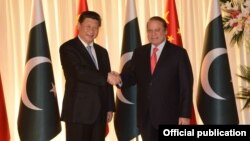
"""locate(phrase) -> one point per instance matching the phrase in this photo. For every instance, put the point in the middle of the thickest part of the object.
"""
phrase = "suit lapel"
(98, 56)
(163, 58)
(148, 55)
(84, 52)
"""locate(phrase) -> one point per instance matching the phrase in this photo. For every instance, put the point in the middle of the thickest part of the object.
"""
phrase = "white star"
(53, 89)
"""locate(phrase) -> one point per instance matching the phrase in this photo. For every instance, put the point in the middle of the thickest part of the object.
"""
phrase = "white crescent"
(28, 67)
(124, 59)
(208, 59)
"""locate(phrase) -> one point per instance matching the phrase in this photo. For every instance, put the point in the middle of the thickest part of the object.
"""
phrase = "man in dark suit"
(164, 81)
(88, 102)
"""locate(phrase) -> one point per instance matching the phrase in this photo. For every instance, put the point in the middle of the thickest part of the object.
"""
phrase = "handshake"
(114, 78)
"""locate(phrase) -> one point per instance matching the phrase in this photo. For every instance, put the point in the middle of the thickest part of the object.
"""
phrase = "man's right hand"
(113, 78)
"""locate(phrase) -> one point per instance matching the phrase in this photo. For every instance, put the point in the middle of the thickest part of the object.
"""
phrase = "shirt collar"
(84, 43)
(160, 46)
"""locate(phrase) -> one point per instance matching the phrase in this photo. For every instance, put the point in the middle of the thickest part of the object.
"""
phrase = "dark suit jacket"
(167, 94)
(87, 92)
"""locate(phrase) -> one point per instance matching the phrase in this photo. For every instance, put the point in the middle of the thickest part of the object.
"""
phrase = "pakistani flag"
(216, 100)
(125, 116)
(38, 114)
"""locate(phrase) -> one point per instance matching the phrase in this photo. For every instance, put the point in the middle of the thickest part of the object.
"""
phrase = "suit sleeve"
(186, 85)
(128, 74)
(77, 68)
(110, 93)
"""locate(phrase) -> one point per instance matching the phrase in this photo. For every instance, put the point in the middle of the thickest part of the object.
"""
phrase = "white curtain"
(60, 18)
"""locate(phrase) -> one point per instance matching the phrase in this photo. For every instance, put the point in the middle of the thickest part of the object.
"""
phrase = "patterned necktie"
(91, 55)
(153, 60)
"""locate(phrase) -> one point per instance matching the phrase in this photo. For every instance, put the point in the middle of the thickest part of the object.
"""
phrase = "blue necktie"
(91, 55)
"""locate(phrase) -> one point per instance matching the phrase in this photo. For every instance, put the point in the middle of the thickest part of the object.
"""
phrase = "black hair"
(157, 18)
(90, 14)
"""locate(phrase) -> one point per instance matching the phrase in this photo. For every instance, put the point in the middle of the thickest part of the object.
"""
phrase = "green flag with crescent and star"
(125, 116)
(38, 117)
(216, 101)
